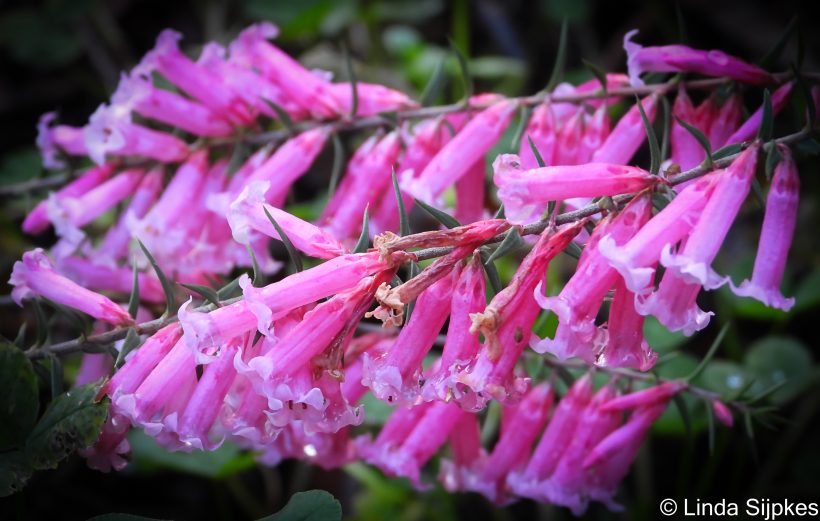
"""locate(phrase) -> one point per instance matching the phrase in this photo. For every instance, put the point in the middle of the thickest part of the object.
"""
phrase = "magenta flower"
(460, 153)
(596, 134)
(722, 413)
(112, 448)
(103, 277)
(470, 194)
(625, 344)
(674, 303)
(110, 132)
(55, 141)
(647, 397)
(686, 152)
(248, 213)
(726, 121)
(37, 220)
(141, 362)
(680, 58)
(372, 98)
(395, 376)
(775, 236)
(35, 276)
(568, 146)
(542, 129)
(627, 136)
(749, 127)
(579, 301)
(506, 324)
(522, 192)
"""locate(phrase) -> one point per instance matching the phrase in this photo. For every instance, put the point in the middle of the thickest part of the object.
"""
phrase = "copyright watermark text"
(763, 508)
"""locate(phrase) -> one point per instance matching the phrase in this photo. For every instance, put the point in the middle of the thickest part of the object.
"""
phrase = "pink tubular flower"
(749, 127)
(506, 324)
(112, 448)
(206, 331)
(137, 93)
(579, 301)
(596, 134)
(363, 187)
(521, 426)
(460, 346)
(54, 141)
(288, 163)
(111, 132)
(568, 144)
(680, 58)
(561, 430)
(722, 413)
(197, 81)
(609, 461)
(627, 136)
(35, 276)
(542, 130)
(37, 220)
(313, 93)
(775, 237)
(108, 278)
(460, 153)
(635, 260)
(372, 98)
(414, 441)
(523, 191)
(115, 243)
(394, 377)
(686, 152)
(651, 396)
(69, 214)
(674, 303)
(422, 142)
(726, 121)
(470, 194)
(248, 213)
(625, 345)
(140, 363)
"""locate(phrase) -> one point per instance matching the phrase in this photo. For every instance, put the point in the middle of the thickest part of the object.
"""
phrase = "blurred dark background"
(67, 55)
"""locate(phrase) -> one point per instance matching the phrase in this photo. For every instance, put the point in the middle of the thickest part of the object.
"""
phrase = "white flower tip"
(633, 67)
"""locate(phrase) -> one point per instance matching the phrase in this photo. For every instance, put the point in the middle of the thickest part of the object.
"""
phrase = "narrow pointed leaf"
(240, 153)
(772, 158)
(667, 128)
(757, 192)
(412, 270)
(652, 139)
(464, 70)
(512, 241)
(283, 116)
(56, 373)
(443, 217)
(728, 150)
(134, 299)
(404, 223)
(683, 410)
(702, 140)
(205, 292)
(292, 252)
(536, 153)
(132, 341)
(434, 86)
(524, 114)
(560, 58)
(258, 277)
(20, 339)
(228, 289)
(574, 251)
(364, 237)
(811, 109)
(769, 59)
(599, 74)
(709, 354)
(351, 77)
(765, 130)
(489, 267)
(42, 324)
(499, 214)
(163, 280)
(338, 163)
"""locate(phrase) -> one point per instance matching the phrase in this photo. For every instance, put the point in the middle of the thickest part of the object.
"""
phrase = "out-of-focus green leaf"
(35, 37)
(149, 456)
(724, 377)
(20, 165)
(807, 294)
(19, 400)
(443, 217)
(364, 237)
(313, 505)
(14, 472)
(661, 339)
(779, 360)
(163, 280)
(560, 57)
(122, 517)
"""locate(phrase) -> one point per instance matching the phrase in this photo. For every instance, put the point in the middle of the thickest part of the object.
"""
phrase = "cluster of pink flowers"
(282, 371)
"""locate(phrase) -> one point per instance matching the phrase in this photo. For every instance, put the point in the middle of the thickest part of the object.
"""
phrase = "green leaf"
(466, 79)
(782, 361)
(364, 237)
(351, 77)
(404, 223)
(766, 122)
(661, 339)
(598, 72)
(524, 113)
(667, 128)
(710, 421)
(148, 456)
(702, 140)
(728, 150)
(512, 241)
(536, 154)
(313, 505)
(205, 292)
(72, 421)
(338, 163)
(652, 139)
(122, 517)
(772, 158)
(443, 217)
(490, 269)
(725, 378)
(258, 276)
(283, 116)
(292, 252)
(42, 323)
(435, 86)
(709, 354)
(239, 154)
(769, 59)
(56, 376)
(131, 342)
(683, 410)
(134, 299)
(811, 110)
(226, 291)
(20, 339)
(19, 400)
(14, 472)
(413, 270)
(560, 58)
(163, 280)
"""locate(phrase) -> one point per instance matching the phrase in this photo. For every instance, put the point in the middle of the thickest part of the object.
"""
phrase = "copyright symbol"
(668, 507)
